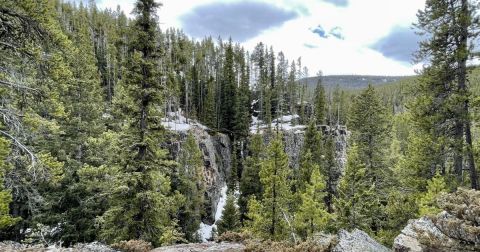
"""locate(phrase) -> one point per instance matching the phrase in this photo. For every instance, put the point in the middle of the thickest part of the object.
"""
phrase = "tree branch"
(21, 146)
(17, 86)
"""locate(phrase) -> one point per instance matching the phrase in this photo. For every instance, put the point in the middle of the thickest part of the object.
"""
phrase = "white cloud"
(362, 23)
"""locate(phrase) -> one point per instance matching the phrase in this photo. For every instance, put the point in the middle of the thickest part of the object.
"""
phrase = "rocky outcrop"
(199, 247)
(457, 228)
(9, 246)
(294, 140)
(216, 151)
(357, 241)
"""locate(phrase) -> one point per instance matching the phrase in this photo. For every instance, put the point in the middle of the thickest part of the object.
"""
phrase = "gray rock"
(198, 247)
(425, 234)
(357, 241)
(216, 151)
(294, 140)
(9, 246)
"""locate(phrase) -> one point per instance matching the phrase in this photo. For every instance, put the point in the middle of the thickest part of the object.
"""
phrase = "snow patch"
(283, 123)
(205, 230)
(175, 121)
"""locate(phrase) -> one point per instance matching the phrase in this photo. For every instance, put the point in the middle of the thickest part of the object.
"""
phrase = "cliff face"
(294, 141)
(216, 151)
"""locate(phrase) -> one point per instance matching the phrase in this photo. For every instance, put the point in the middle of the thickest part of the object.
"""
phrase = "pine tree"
(228, 92)
(313, 143)
(269, 216)
(356, 195)
(451, 27)
(140, 203)
(243, 102)
(428, 201)
(191, 186)
(320, 103)
(230, 220)
(6, 220)
(330, 171)
(369, 122)
(250, 184)
(312, 215)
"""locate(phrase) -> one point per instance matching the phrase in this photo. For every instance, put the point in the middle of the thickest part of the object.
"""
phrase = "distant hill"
(350, 81)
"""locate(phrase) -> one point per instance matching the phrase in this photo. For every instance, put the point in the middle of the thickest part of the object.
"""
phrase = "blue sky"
(334, 36)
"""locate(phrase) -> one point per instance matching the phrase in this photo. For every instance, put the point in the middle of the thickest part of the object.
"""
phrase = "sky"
(368, 37)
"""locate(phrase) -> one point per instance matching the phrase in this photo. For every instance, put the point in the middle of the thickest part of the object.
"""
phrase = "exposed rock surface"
(457, 228)
(216, 151)
(9, 246)
(198, 247)
(357, 241)
(295, 139)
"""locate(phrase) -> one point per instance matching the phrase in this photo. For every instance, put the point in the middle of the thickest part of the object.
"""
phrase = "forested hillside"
(349, 81)
(115, 128)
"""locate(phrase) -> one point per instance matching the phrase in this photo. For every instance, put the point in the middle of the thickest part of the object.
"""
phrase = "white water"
(205, 230)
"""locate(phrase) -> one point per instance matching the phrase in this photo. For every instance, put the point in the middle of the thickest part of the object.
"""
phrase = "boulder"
(199, 247)
(357, 241)
(456, 228)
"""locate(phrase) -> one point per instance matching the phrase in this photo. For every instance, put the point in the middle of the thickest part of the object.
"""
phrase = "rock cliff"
(456, 228)
(216, 151)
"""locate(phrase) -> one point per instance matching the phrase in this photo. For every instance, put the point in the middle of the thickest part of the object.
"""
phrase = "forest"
(92, 101)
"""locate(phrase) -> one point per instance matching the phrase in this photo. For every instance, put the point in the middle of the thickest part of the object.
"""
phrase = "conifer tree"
(356, 195)
(312, 215)
(192, 187)
(228, 92)
(6, 220)
(140, 203)
(320, 103)
(428, 201)
(230, 220)
(269, 216)
(330, 171)
(369, 122)
(250, 184)
(451, 26)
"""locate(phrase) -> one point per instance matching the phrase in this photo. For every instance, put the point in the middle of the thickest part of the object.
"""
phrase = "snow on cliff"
(175, 121)
(284, 123)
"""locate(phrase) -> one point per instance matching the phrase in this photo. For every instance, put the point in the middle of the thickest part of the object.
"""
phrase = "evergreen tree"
(269, 216)
(320, 103)
(250, 184)
(369, 122)
(140, 203)
(191, 185)
(451, 27)
(243, 102)
(330, 171)
(6, 220)
(230, 220)
(356, 196)
(228, 92)
(428, 201)
(311, 215)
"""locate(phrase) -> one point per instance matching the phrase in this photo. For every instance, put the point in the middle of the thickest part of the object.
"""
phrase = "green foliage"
(312, 216)
(268, 216)
(401, 207)
(320, 103)
(356, 199)
(140, 203)
(230, 220)
(427, 203)
(250, 184)
(191, 184)
(6, 220)
(369, 122)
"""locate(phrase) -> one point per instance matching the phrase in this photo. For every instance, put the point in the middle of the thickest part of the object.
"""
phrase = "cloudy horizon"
(366, 37)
